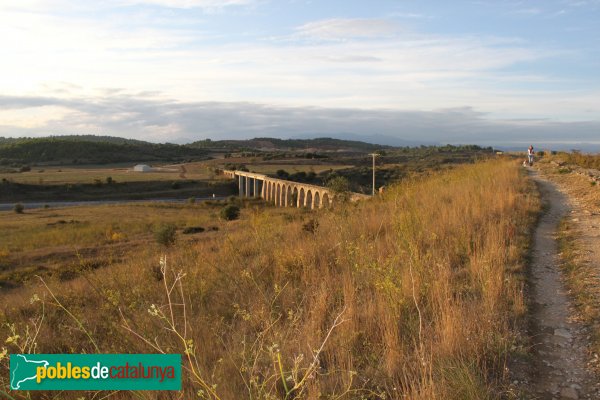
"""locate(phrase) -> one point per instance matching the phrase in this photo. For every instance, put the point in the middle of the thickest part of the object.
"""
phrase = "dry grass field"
(417, 294)
(57, 242)
(582, 160)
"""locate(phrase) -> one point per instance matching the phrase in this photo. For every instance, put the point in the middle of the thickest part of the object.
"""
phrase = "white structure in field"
(142, 168)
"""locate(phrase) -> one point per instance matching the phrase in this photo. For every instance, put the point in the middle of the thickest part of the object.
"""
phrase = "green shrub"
(339, 184)
(165, 234)
(230, 212)
(19, 208)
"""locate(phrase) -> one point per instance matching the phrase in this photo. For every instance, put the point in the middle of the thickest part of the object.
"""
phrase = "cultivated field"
(119, 182)
(89, 174)
(418, 293)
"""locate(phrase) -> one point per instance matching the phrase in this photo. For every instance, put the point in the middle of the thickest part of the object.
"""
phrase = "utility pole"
(374, 155)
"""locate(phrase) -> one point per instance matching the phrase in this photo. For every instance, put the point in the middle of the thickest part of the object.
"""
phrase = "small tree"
(19, 208)
(165, 234)
(230, 212)
(340, 186)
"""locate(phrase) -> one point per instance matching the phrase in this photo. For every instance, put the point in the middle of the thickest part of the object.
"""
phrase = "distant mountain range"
(373, 139)
(90, 149)
(582, 147)
(273, 144)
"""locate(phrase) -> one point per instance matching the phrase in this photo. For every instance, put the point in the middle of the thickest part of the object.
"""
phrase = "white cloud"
(424, 72)
(559, 13)
(344, 29)
(581, 3)
(186, 4)
(165, 120)
(529, 11)
(195, 3)
(34, 118)
(408, 15)
(87, 5)
(348, 63)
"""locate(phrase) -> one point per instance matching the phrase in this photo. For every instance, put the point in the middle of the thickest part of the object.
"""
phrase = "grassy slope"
(582, 160)
(427, 283)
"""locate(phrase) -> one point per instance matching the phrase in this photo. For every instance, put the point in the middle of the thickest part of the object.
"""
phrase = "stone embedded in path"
(569, 393)
(562, 333)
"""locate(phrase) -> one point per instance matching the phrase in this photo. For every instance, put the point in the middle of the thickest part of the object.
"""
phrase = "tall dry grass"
(417, 295)
(582, 160)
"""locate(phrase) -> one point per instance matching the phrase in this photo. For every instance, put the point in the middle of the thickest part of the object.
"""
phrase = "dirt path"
(560, 341)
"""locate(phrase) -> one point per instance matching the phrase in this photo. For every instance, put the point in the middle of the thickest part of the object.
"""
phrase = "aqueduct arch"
(284, 193)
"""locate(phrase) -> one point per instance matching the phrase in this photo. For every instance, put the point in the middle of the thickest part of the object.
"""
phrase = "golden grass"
(582, 160)
(582, 281)
(88, 226)
(48, 241)
(417, 294)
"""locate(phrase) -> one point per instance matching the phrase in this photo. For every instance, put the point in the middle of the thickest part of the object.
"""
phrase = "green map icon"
(24, 369)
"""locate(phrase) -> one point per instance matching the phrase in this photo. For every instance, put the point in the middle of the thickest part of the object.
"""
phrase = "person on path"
(530, 154)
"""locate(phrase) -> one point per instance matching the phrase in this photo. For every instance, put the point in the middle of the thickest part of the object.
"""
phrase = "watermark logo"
(95, 371)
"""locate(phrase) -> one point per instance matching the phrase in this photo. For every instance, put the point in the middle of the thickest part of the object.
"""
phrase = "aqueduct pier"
(285, 193)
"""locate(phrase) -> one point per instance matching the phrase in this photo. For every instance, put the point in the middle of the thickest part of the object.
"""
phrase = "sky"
(488, 72)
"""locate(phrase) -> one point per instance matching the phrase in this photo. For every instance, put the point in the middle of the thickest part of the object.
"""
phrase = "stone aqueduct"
(285, 193)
